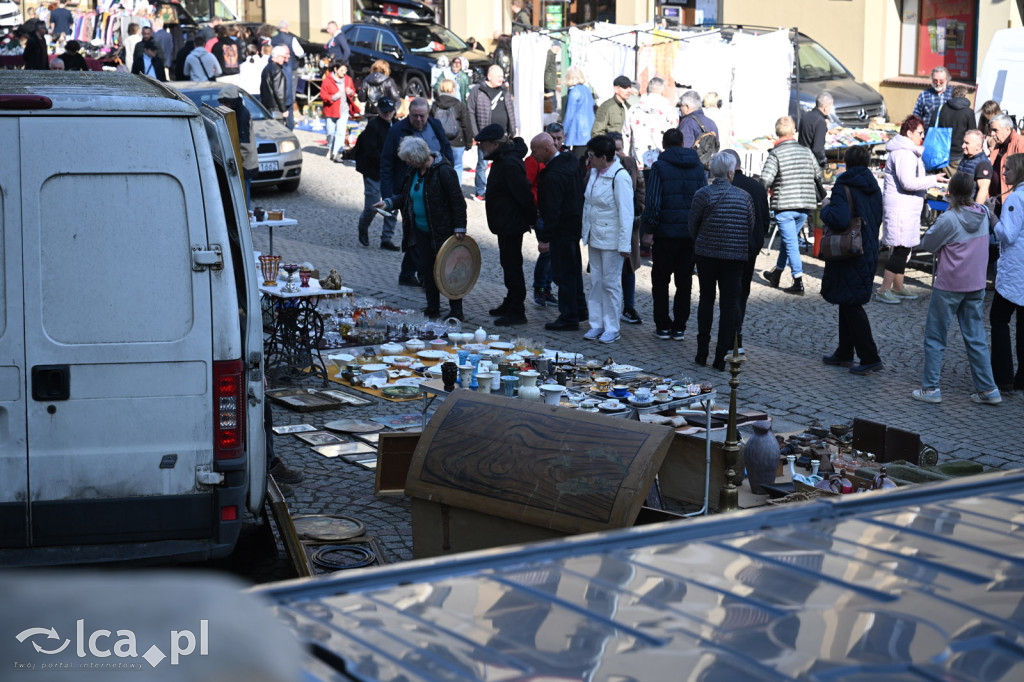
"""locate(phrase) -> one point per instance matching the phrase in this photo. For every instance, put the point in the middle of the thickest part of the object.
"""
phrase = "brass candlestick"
(729, 497)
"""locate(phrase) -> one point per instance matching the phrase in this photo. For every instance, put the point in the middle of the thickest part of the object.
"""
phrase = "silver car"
(279, 151)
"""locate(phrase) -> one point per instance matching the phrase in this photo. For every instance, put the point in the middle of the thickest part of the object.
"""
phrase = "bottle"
(845, 484)
(882, 480)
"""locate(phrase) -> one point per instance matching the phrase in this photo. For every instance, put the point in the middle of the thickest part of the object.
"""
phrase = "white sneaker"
(609, 337)
(593, 334)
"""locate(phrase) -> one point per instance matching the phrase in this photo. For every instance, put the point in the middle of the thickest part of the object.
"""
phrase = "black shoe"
(432, 313)
(797, 287)
(538, 298)
(388, 246)
(679, 335)
(701, 360)
(283, 474)
(510, 320)
(865, 369)
(836, 362)
(664, 334)
(364, 238)
(499, 311)
(550, 298)
(772, 277)
(457, 314)
(629, 316)
(562, 326)
(410, 281)
(719, 365)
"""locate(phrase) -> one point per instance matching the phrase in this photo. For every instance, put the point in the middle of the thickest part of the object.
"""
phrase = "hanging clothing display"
(529, 54)
(604, 53)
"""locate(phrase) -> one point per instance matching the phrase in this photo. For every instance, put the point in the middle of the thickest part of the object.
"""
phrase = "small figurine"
(332, 282)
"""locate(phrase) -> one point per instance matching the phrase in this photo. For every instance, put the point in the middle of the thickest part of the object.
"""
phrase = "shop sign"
(945, 37)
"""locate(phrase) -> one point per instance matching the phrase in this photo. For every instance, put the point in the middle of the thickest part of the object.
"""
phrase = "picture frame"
(315, 438)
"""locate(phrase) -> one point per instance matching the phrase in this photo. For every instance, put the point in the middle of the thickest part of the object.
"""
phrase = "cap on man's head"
(622, 82)
(228, 95)
(385, 104)
(491, 133)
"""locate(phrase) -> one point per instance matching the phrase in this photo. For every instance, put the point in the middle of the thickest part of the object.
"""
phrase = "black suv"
(411, 45)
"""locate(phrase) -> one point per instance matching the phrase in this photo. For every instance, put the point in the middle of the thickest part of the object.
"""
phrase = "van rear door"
(236, 216)
(119, 324)
(13, 460)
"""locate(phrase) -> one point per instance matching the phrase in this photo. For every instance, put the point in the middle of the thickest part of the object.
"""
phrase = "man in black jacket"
(147, 34)
(759, 196)
(393, 171)
(35, 54)
(675, 177)
(560, 200)
(337, 47)
(367, 153)
(957, 114)
(274, 85)
(149, 63)
(511, 212)
(814, 126)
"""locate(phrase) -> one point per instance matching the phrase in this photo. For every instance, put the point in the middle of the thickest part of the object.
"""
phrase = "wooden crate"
(489, 471)
(682, 473)
(394, 455)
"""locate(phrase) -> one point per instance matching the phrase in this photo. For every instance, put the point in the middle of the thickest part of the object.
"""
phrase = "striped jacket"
(721, 218)
(789, 173)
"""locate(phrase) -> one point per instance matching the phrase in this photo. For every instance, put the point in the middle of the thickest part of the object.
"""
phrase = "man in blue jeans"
(789, 173)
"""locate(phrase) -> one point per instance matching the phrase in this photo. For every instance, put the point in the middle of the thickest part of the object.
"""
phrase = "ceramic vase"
(449, 374)
(466, 372)
(480, 335)
(483, 382)
(761, 456)
(508, 384)
(552, 393)
(474, 359)
(529, 389)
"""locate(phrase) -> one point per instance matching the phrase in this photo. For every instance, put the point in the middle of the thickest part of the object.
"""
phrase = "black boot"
(455, 310)
(511, 318)
(797, 287)
(772, 276)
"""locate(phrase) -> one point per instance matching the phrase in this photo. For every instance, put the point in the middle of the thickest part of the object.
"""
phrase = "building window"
(939, 33)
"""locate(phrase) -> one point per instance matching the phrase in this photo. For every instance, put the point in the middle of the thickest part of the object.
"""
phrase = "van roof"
(92, 92)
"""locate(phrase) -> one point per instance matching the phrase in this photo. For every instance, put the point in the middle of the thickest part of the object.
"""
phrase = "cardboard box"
(682, 473)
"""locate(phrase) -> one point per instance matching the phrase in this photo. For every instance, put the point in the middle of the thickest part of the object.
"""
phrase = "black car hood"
(846, 92)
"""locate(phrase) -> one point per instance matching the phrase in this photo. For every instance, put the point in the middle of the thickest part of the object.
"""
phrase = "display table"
(296, 329)
(270, 225)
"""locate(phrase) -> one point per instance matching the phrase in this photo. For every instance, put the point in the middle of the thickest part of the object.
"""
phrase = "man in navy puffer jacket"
(675, 177)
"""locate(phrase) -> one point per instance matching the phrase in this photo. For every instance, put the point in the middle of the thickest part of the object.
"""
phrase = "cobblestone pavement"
(784, 338)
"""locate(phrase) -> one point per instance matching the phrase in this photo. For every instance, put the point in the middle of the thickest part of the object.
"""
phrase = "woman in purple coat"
(902, 200)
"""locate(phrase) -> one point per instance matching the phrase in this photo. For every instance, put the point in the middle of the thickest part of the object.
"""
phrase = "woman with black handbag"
(848, 283)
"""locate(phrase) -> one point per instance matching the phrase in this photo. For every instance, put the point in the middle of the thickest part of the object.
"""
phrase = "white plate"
(376, 367)
(396, 359)
(501, 345)
(475, 347)
(436, 369)
(641, 403)
(563, 356)
(432, 354)
(608, 406)
(493, 353)
(341, 357)
(410, 381)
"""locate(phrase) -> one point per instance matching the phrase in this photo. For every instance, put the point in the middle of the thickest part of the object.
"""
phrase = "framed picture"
(315, 438)
(342, 449)
(293, 428)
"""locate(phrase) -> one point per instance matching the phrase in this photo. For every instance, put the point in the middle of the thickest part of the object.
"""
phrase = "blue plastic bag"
(937, 142)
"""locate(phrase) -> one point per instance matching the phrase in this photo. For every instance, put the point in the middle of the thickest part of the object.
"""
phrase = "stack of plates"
(623, 371)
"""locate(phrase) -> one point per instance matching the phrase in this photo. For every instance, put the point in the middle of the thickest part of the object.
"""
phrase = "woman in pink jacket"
(902, 201)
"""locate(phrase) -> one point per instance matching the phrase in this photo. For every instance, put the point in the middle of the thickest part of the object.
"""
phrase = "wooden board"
(682, 473)
(394, 455)
(544, 465)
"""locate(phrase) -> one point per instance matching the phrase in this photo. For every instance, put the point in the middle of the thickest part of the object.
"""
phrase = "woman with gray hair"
(432, 204)
(721, 218)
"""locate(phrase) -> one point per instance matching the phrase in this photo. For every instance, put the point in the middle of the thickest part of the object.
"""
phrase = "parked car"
(855, 103)
(401, 34)
(279, 150)
(10, 14)
(131, 357)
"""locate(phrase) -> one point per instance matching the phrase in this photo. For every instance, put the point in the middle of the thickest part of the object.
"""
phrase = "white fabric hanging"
(529, 57)
(604, 53)
(760, 93)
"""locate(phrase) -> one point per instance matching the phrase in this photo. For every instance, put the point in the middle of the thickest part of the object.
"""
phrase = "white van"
(1002, 73)
(131, 347)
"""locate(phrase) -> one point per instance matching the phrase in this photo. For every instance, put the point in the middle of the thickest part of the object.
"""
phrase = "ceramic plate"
(645, 403)
(436, 370)
(432, 354)
(608, 406)
(374, 368)
(563, 356)
(501, 345)
(401, 391)
(409, 381)
(475, 347)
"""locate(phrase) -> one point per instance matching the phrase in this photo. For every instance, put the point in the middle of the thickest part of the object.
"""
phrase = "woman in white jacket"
(607, 227)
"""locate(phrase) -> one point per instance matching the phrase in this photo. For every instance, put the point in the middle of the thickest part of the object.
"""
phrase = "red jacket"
(332, 107)
(533, 169)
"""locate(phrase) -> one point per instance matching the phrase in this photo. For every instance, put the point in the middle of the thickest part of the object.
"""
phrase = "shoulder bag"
(937, 143)
(846, 244)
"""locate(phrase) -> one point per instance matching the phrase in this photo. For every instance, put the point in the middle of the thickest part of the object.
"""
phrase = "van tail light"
(24, 102)
(228, 409)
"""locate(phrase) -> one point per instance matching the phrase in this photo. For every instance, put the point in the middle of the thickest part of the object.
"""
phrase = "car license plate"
(268, 166)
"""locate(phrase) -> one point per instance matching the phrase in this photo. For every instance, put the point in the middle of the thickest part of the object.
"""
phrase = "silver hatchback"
(279, 151)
